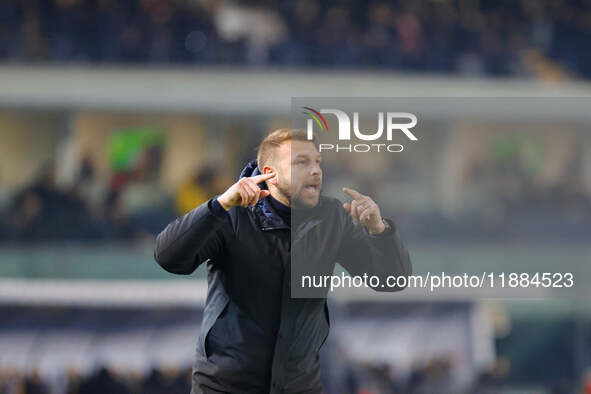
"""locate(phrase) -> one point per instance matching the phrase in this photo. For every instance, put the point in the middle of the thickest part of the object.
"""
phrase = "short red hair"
(276, 138)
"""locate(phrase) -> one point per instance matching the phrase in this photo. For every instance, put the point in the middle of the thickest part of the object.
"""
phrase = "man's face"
(300, 175)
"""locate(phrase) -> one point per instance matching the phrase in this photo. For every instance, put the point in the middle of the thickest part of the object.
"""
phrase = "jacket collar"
(268, 218)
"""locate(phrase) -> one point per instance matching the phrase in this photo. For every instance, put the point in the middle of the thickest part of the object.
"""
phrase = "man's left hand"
(364, 210)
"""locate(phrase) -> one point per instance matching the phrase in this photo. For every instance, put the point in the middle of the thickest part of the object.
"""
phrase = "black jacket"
(254, 337)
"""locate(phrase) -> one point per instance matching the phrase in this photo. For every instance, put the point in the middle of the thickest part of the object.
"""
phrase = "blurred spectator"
(12, 22)
(411, 42)
(73, 380)
(258, 25)
(492, 380)
(142, 191)
(434, 377)
(90, 189)
(337, 38)
(11, 381)
(142, 199)
(103, 381)
(35, 385)
(165, 381)
(4, 205)
(380, 49)
(198, 189)
(38, 209)
(69, 26)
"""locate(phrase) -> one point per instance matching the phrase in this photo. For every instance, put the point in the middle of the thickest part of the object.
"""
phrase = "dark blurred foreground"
(101, 382)
(110, 350)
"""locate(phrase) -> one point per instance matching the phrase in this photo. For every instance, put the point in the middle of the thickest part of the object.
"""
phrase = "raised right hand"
(245, 192)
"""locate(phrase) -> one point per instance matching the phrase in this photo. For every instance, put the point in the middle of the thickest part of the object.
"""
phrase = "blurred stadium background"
(117, 116)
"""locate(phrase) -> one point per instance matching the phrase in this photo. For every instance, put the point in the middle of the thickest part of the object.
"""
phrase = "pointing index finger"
(262, 177)
(354, 194)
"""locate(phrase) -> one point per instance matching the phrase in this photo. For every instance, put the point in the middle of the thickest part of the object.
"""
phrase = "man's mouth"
(312, 187)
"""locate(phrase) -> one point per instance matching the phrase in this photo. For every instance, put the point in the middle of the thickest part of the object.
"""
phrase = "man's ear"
(271, 170)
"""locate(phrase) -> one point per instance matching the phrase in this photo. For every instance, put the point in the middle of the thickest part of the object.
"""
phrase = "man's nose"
(316, 170)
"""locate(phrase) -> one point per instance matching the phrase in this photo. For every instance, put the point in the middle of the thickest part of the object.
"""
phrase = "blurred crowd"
(130, 206)
(485, 37)
(501, 201)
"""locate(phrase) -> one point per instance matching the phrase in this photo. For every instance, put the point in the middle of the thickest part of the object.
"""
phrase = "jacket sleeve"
(192, 239)
(381, 255)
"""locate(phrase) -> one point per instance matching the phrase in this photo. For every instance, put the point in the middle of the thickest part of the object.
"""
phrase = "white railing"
(225, 90)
